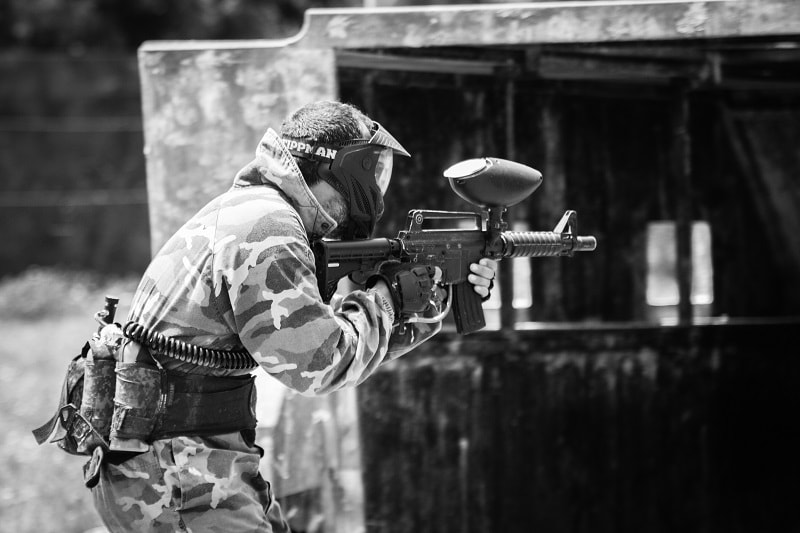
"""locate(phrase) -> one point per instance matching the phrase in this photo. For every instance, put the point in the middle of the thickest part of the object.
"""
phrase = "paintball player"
(240, 275)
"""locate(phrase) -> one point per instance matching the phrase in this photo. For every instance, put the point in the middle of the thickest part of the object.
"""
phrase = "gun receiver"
(493, 184)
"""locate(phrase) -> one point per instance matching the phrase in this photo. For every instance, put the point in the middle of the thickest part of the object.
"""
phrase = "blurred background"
(647, 386)
(72, 164)
(73, 205)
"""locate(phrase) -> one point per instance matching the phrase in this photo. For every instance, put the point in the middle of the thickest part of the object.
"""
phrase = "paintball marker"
(493, 185)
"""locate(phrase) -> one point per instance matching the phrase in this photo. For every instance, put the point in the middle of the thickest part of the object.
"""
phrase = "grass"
(45, 317)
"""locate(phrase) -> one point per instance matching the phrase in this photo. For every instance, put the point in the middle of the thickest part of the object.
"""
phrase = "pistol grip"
(467, 310)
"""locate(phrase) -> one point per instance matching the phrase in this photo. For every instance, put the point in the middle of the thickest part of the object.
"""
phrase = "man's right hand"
(409, 289)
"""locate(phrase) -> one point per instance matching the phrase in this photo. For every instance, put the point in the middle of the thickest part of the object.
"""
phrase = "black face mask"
(359, 170)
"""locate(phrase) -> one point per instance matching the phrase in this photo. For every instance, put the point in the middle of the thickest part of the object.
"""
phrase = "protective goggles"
(327, 152)
(359, 169)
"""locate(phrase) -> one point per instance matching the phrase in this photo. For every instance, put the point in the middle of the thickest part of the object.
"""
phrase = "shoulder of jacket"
(254, 213)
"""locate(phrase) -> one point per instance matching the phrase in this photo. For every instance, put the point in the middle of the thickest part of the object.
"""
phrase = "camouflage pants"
(191, 484)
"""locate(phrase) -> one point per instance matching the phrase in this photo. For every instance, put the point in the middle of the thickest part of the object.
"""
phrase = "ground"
(45, 317)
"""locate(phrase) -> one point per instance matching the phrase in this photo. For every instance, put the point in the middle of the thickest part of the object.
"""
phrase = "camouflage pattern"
(176, 484)
(76, 435)
(136, 395)
(97, 403)
(57, 429)
(240, 273)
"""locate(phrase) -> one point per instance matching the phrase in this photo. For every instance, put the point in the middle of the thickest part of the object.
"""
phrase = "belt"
(206, 405)
(183, 404)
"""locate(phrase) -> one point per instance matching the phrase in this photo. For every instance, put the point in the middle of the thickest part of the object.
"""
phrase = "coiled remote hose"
(189, 353)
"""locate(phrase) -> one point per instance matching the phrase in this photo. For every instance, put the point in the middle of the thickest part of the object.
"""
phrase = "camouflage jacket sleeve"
(266, 267)
(404, 337)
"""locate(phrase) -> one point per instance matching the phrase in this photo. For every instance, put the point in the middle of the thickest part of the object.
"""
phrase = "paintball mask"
(359, 169)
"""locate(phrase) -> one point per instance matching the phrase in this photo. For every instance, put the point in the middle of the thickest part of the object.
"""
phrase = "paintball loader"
(490, 183)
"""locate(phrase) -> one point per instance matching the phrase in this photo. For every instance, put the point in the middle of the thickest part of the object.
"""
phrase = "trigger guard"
(416, 319)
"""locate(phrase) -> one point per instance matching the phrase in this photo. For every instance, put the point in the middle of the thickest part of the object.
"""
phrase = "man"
(240, 276)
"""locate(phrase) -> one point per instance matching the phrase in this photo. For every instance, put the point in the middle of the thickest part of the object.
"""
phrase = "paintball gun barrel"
(490, 183)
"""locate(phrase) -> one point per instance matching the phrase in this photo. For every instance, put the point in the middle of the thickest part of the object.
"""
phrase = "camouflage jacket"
(240, 273)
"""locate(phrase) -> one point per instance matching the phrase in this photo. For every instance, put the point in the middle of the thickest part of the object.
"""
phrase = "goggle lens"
(383, 169)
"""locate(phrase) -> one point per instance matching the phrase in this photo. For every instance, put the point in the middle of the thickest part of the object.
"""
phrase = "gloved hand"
(410, 287)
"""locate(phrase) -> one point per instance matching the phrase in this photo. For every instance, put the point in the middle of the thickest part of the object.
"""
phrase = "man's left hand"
(482, 277)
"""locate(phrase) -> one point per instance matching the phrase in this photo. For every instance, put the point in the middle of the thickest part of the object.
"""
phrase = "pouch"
(54, 430)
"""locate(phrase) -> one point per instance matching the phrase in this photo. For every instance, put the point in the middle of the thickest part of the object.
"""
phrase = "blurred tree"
(111, 25)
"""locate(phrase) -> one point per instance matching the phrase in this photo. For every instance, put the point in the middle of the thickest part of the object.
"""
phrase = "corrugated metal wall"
(586, 430)
(605, 152)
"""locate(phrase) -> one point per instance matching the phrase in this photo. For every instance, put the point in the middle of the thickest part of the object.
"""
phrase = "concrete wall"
(206, 109)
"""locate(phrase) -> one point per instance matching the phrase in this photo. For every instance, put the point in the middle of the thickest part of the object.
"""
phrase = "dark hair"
(327, 122)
